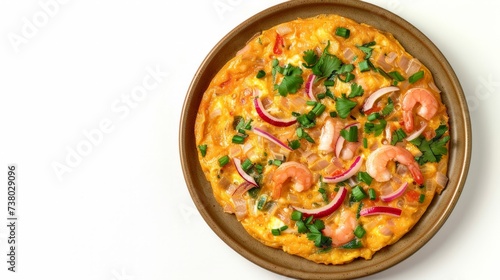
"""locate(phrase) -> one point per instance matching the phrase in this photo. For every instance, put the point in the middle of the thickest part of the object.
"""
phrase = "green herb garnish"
(432, 150)
(203, 149)
(415, 77)
(292, 78)
(344, 106)
(342, 32)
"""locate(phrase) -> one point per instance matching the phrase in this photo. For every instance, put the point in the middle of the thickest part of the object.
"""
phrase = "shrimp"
(343, 231)
(376, 163)
(427, 110)
(299, 174)
(330, 133)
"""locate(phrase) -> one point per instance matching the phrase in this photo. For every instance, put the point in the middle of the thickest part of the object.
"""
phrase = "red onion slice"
(263, 114)
(309, 87)
(377, 210)
(327, 209)
(353, 169)
(417, 133)
(370, 101)
(243, 174)
(397, 193)
(270, 137)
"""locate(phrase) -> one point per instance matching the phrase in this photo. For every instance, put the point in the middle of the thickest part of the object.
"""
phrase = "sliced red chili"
(278, 44)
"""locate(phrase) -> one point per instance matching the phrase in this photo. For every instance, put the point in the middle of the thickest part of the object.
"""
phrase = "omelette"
(324, 138)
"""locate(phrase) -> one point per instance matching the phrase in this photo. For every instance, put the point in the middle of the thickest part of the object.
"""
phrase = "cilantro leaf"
(432, 150)
(356, 90)
(344, 106)
(310, 58)
(345, 68)
(398, 136)
(327, 64)
(388, 108)
(438, 147)
(366, 48)
(376, 128)
(291, 81)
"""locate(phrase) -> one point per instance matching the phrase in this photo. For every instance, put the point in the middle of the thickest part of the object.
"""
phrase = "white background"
(117, 207)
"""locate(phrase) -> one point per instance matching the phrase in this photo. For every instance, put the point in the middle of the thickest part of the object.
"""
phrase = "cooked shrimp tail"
(376, 163)
(428, 106)
(299, 174)
(342, 230)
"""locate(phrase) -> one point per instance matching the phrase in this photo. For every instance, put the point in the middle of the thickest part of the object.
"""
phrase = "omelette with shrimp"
(324, 138)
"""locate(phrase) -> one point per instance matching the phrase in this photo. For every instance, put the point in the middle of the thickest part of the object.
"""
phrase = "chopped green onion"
(358, 193)
(261, 74)
(323, 193)
(365, 143)
(203, 149)
(321, 96)
(311, 102)
(421, 198)
(360, 206)
(364, 177)
(359, 231)
(417, 76)
(329, 93)
(304, 121)
(396, 76)
(303, 135)
(343, 32)
(353, 244)
(276, 162)
(259, 168)
(223, 160)
(246, 165)
(276, 231)
(333, 114)
(261, 201)
(253, 192)
(372, 194)
(382, 72)
(318, 109)
(364, 66)
(238, 139)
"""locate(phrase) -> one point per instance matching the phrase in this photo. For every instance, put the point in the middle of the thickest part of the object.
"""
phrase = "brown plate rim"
(415, 42)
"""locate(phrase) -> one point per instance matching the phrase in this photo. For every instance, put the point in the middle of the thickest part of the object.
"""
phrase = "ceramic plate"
(229, 229)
